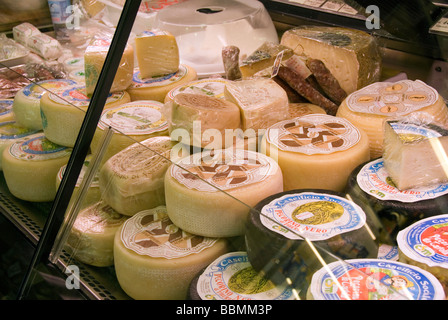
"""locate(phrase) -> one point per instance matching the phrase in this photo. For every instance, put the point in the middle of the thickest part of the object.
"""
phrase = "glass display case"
(166, 155)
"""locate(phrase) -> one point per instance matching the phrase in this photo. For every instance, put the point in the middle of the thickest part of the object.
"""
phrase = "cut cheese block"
(369, 107)
(425, 244)
(297, 109)
(30, 166)
(94, 57)
(316, 151)
(93, 194)
(132, 180)
(352, 56)
(154, 259)
(290, 234)
(374, 279)
(261, 100)
(91, 239)
(63, 112)
(131, 122)
(26, 106)
(210, 193)
(264, 57)
(201, 120)
(6, 110)
(371, 187)
(11, 132)
(231, 277)
(157, 53)
(212, 87)
(158, 87)
(414, 153)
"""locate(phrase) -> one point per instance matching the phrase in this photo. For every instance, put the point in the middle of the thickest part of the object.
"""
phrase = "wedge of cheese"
(351, 55)
(157, 53)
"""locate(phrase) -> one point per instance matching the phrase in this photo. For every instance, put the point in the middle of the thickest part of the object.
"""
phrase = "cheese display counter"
(246, 150)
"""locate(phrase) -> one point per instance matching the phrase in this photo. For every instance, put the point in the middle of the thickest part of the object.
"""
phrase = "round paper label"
(36, 90)
(138, 82)
(76, 96)
(37, 147)
(6, 107)
(209, 87)
(11, 130)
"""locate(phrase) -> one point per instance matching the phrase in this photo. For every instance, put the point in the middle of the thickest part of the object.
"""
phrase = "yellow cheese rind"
(297, 109)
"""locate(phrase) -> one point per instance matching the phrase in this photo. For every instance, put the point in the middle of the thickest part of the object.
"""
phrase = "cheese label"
(209, 87)
(373, 179)
(392, 98)
(228, 169)
(5, 107)
(311, 216)
(388, 252)
(231, 277)
(374, 279)
(409, 132)
(36, 90)
(138, 82)
(37, 147)
(97, 218)
(11, 130)
(76, 96)
(152, 33)
(314, 134)
(98, 45)
(77, 62)
(151, 233)
(426, 241)
(135, 118)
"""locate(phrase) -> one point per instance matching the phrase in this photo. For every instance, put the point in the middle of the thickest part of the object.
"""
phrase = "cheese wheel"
(91, 239)
(94, 57)
(158, 87)
(262, 102)
(157, 53)
(93, 194)
(425, 244)
(30, 166)
(131, 122)
(316, 151)
(26, 106)
(6, 111)
(231, 277)
(289, 234)
(297, 109)
(132, 180)
(156, 260)
(73, 63)
(204, 120)
(369, 107)
(374, 279)
(210, 193)
(357, 50)
(63, 112)
(371, 187)
(212, 87)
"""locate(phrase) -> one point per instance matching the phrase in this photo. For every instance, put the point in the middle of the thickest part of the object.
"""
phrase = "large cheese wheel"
(316, 151)
(370, 186)
(201, 120)
(374, 279)
(154, 259)
(26, 105)
(63, 112)
(133, 179)
(6, 111)
(369, 107)
(158, 87)
(211, 193)
(289, 234)
(352, 56)
(130, 122)
(30, 166)
(91, 239)
(425, 244)
(212, 87)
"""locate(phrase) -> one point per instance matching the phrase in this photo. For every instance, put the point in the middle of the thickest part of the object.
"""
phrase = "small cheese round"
(157, 88)
(154, 259)
(212, 87)
(373, 279)
(204, 120)
(131, 122)
(370, 106)
(63, 112)
(30, 166)
(211, 193)
(26, 105)
(316, 151)
(91, 239)
(73, 63)
(6, 111)
(133, 179)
